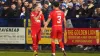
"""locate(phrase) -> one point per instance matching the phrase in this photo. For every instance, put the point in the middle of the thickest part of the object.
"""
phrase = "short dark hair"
(56, 4)
(26, 1)
(13, 4)
(46, 2)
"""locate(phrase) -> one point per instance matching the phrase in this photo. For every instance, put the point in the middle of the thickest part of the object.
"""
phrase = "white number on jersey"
(58, 19)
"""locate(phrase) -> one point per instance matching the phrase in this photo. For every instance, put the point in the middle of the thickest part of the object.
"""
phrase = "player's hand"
(45, 24)
(40, 12)
(45, 28)
(65, 30)
(42, 30)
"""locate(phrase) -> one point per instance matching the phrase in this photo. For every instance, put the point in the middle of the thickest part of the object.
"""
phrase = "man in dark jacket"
(46, 10)
(13, 12)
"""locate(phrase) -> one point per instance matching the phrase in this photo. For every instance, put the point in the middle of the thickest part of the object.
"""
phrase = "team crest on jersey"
(32, 15)
(38, 21)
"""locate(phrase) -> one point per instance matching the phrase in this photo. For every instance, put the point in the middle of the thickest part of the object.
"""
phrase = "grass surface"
(45, 54)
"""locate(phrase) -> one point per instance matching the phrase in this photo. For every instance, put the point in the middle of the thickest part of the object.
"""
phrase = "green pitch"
(46, 54)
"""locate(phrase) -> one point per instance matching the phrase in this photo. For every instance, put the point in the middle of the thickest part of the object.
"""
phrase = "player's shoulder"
(32, 13)
(42, 14)
(61, 11)
(51, 11)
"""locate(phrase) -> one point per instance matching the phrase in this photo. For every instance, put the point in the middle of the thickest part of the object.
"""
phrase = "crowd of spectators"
(73, 8)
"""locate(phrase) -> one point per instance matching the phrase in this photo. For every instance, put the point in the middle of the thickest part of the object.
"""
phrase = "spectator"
(26, 4)
(23, 1)
(5, 11)
(63, 6)
(13, 1)
(9, 2)
(1, 8)
(51, 1)
(19, 4)
(46, 9)
(67, 1)
(34, 2)
(97, 13)
(83, 11)
(81, 2)
(30, 7)
(90, 9)
(98, 3)
(75, 2)
(78, 11)
(23, 13)
(3, 1)
(13, 12)
(70, 13)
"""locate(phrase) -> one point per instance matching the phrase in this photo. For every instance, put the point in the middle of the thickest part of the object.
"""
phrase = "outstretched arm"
(36, 17)
(65, 22)
(46, 23)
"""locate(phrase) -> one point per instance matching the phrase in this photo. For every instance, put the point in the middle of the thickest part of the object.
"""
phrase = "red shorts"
(56, 33)
(36, 32)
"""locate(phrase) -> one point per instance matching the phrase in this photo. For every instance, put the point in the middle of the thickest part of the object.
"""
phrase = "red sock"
(53, 46)
(34, 43)
(61, 45)
(37, 41)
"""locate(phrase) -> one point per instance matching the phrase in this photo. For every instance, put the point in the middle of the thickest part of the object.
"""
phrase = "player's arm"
(47, 22)
(44, 22)
(36, 17)
(43, 19)
(65, 22)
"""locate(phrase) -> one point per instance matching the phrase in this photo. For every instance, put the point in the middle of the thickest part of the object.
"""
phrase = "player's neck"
(57, 8)
(36, 11)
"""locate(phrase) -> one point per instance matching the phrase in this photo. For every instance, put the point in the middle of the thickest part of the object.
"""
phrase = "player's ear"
(53, 7)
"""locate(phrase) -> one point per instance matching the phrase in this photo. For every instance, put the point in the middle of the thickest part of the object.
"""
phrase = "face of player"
(38, 8)
(53, 7)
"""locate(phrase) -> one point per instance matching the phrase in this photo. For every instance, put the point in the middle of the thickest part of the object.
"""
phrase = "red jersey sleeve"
(31, 15)
(50, 15)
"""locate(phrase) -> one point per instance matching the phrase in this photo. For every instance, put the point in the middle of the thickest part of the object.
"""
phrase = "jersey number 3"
(58, 19)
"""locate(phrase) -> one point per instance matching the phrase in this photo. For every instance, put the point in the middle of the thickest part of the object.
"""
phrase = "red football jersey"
(36, 23)
(57, 17)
